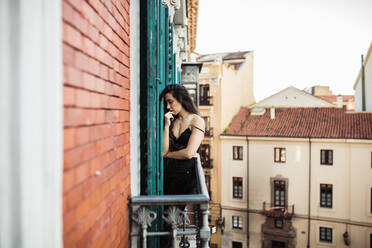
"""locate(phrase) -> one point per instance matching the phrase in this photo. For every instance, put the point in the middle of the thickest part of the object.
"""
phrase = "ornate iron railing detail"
(206, 100)
(271, 210)
(180, 223)
(209, 132)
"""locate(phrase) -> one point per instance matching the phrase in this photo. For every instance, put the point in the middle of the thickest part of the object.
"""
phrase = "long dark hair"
(181, 94)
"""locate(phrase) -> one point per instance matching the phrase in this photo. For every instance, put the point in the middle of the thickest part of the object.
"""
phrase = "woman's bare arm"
(197, 134)
(168, 117)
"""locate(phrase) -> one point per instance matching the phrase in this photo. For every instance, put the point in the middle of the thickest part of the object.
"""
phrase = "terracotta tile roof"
(333, 98)
(302, 123)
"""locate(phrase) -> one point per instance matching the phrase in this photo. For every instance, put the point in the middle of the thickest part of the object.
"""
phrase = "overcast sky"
(298, 43)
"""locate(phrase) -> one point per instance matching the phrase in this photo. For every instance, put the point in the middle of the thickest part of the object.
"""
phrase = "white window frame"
(239, 220)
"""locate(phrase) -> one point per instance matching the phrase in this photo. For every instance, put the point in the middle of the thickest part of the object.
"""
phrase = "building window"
(237, 222)
(326, 157)
(371, 201)
(279, 193)
(278, 223)
(370, 240)
(325, 234)
(277, 244)
(238, 187)
(237, 152)
(237, 244)
(326, 195)
(279, 155)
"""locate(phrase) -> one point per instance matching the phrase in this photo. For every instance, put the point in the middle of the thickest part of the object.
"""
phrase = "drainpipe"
(363, 87)
(247, 191)
(309, 198)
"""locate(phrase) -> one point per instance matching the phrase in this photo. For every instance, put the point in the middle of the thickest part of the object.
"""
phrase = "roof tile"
(303, 122)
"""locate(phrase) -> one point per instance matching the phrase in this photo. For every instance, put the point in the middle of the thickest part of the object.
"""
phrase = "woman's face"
(173, 105)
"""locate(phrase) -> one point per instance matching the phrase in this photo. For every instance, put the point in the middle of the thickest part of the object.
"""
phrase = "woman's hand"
(168, 118)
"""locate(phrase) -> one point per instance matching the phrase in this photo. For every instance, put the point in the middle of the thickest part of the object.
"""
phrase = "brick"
(68, 180)
(82, 98)
(71, 158)
(73, 197)
(68, 96)
(93, 33)
(100, 116)
(71, 36)
(88, 47)
(69, 221)
(82, 135)
(68, 138)
(89, 82)
(100, 85)
(80, 23)
(87, 152)
(67, 11)
(68, 55)
(76, 4)
(71, 238)
(72, 76)
(95, 100)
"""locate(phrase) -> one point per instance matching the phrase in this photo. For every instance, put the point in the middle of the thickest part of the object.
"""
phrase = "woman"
(183, 133)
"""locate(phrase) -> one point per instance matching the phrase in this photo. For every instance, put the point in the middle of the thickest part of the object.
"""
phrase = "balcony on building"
(208, 132)
(273, 211)
(208, 129)
(206, 101)
(205, 156)
(204, 98)
(154, 216)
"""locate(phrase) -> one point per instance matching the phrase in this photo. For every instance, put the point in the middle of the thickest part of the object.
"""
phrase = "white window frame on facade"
(31, 127)
(325, 228)
(272, 185)
(326, 225)
(282, 155)
(238, 152)
(235, 219)
(327, 163)
(320, 196)
(233, 189)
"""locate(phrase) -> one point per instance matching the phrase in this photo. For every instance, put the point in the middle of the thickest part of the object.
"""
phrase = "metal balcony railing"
(206, 100)
(207, 163)
(270, 210)
(183, 224)
(209, 132)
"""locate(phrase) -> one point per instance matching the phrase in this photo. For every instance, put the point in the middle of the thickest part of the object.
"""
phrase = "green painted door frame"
(157, 62)
(158, 69)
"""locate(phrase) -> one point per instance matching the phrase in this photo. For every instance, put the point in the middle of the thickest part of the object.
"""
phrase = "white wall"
(292, 97)
(31, 124)
(135, 152)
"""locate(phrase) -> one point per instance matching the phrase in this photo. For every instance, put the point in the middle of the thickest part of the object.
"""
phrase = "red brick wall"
(96, 182)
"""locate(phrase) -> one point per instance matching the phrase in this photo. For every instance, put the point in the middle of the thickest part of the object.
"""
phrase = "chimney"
(272, 113)
(339, 101)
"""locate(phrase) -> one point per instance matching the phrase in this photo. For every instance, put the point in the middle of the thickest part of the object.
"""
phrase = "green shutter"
(158, 69)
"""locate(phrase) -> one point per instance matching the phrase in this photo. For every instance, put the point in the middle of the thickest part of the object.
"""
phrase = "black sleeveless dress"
(180, 174)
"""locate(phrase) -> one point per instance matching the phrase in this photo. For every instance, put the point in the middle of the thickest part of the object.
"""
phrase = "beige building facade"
(297, 184)
(225, 84)
(292, 97)
(367, 86)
